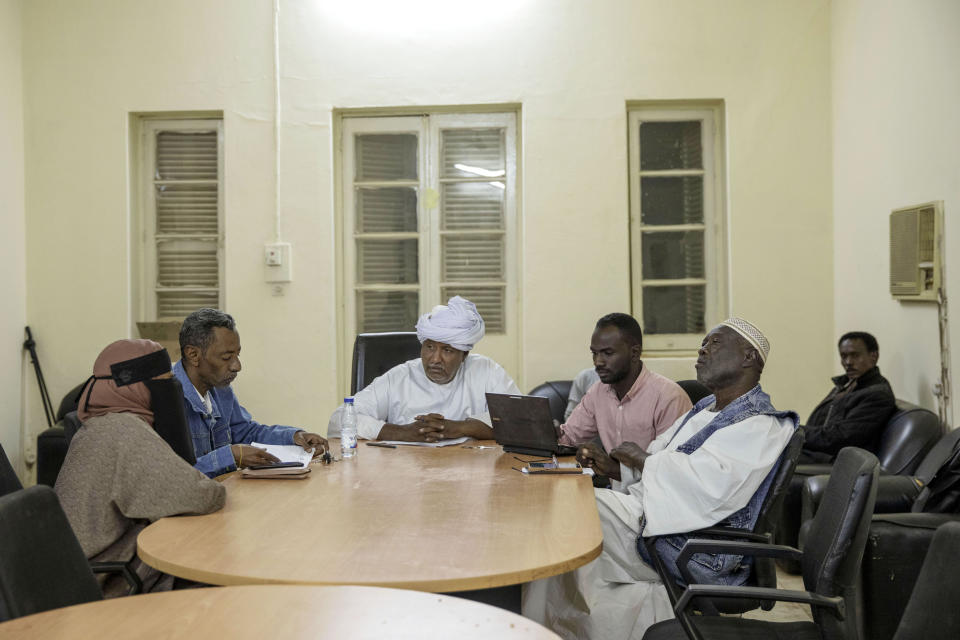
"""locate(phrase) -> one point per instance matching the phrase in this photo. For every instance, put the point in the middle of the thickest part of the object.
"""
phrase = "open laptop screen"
(522, 421)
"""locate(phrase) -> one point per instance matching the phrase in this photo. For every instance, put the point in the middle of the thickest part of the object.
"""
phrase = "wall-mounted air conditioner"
(916, 242)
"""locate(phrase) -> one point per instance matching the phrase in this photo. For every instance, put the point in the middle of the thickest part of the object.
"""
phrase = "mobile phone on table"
(542, 465)
(276, 465)
(553, 467)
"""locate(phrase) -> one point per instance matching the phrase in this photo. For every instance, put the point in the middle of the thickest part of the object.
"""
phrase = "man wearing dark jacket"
(856, 410)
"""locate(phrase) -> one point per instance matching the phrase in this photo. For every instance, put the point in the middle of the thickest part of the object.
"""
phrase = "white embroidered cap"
(751, 334)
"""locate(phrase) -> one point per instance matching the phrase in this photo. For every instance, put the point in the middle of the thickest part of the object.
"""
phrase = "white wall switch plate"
(278, 262)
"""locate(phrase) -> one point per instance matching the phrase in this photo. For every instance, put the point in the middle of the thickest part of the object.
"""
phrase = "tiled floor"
(785, 611)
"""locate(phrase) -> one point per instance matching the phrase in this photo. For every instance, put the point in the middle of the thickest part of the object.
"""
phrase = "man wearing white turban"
(441, 394)
(713, 466)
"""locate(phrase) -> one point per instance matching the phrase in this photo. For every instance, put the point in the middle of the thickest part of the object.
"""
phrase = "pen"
(382, 444)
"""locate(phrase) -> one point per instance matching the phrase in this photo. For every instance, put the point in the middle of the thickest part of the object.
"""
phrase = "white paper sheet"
(438, 443)
(287, 452)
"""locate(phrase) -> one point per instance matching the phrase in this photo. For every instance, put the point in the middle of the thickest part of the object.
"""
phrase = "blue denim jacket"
(227, 424)
(708, 568)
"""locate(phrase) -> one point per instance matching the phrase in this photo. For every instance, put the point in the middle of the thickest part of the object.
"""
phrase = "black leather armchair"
(909, 434)
(896, 548)
(895, 493)
(936, 591)
(376, 353)
(900, 535)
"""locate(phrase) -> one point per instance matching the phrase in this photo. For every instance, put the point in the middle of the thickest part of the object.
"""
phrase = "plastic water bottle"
(348, 430)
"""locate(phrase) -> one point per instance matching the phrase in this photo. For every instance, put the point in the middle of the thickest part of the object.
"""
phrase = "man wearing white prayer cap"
(441, 394)
(713, 466)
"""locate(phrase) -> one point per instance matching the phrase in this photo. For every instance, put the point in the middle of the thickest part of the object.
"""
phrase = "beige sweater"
(118, 477)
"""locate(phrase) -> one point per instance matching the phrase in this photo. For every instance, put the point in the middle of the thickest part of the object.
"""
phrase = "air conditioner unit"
(916, 242)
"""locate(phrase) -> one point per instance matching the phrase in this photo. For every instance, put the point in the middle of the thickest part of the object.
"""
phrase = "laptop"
(523, 424)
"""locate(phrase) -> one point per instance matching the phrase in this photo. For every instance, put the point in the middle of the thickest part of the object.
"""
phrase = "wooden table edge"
(431, 586)
(67, 621)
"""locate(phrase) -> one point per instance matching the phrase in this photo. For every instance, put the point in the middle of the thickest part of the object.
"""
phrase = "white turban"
(751, 334)
(457, 323)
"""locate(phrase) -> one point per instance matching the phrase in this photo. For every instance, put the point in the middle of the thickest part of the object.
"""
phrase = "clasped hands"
(431, 427)
(592, 455)
(245, 455)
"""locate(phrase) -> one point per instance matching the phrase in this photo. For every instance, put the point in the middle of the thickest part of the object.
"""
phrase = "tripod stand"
(31, 345)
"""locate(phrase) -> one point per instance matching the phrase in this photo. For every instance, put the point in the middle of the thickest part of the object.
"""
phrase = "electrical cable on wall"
(276, 117)
(944, 404)
(278, 268)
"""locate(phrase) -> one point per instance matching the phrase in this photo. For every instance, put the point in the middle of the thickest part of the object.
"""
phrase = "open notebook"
(285, 453)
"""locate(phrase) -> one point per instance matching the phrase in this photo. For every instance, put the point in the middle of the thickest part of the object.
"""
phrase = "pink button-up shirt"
(648, 409)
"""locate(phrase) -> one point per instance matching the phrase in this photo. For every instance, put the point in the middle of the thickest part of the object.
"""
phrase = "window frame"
(149, 126)
(508, 121)
(428, 124)
(714, 226)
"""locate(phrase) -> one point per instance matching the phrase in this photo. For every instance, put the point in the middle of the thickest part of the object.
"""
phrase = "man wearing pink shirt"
(630, 403)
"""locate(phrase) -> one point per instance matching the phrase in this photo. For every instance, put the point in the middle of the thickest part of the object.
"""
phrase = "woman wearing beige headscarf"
(119, 475)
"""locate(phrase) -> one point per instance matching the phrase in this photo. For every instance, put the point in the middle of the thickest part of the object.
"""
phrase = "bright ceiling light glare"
(479, 171)
(415, 17)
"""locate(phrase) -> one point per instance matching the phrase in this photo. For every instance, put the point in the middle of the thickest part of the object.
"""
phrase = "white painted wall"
(12, 240)
(572, 65)
(896, 87)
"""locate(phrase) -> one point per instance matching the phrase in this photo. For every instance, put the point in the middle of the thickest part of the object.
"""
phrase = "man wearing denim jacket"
(713, 466)
(222, 429)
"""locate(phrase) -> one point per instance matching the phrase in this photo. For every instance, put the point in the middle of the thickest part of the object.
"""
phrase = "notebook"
(279, 473)
(523, 424)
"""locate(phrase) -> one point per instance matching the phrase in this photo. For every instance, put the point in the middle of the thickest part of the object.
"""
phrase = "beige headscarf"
(104, 394)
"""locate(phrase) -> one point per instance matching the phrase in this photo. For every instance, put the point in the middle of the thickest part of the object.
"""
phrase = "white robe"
(618, 596)
(405, 391)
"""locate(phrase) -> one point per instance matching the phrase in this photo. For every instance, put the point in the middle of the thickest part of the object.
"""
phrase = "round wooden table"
(281, 611)
(440, 520)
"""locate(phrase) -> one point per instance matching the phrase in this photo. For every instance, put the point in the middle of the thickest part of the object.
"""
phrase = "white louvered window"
(182, 187)
(677, 224)
(429, 213)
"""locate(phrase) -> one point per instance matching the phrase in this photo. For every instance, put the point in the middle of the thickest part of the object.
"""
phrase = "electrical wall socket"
(278, 262)
(274, 255)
